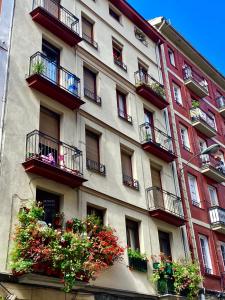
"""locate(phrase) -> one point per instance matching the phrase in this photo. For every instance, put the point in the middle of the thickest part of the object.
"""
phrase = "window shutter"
(92, 146)
(126, 164)
(164, 243)
(87, 28)
(132, 234)
(49, 123)
(156, 178)
(89, 80)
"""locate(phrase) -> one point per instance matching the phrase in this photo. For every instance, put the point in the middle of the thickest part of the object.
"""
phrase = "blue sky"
(202, 23)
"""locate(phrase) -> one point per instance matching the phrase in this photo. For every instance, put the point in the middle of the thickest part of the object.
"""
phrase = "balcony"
(53, 159)
(221, 105)
(150, 89)
(157, 142)
(91, 95)
(195, 83)
(56, 19)
(95, 167)
(212, 168)
(54, 81)
(217, 218)
(165, 206)
(130, 182)
(203, 122)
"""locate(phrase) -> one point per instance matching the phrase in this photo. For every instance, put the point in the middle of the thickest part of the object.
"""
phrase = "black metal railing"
(119, 63)
(43, 66)
(220, 102)
(207, 160)
(130, 182)
(53, 152)
(95, 166)
(149, 133)
(92, 96)
(146, 79)
(217, 215)
(89, 40)
(122, 114)
(188, 73)
(197, 114)
(158, 198)
(60, 13)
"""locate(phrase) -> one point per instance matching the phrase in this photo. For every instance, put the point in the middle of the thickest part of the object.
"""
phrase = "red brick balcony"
(203, 122)
(195, 82)
(53, 159)
(54, 81)
(217, 218)
(221, 105)
(165, 206)
(157, 142)
(150, 89)
(58, 20)
(212, 168)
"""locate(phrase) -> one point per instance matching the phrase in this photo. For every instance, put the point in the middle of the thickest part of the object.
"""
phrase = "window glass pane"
(193, 189)
(164, 243)
(132, 234)
(97, 212)
(213, 195)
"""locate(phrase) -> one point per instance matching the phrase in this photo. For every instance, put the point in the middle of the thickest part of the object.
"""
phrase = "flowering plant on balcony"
(157, 88)
(77, 254)
(179, 277)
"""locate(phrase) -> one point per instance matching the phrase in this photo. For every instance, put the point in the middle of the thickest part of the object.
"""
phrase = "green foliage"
(38, 67)
(79, 253)
(158, 89)
(136, 254)
(195, 103)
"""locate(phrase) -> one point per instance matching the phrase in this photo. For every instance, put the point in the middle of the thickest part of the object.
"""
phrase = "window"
(202, 147)
(92, 151)
(205, 254)
(164, 243)
(87, 32)
(222, 247)
(50, 203)
(96, 212)
(132, 234)
(213, 119)
(140, 36)
(114, 14)
(122, 106)
(52, 62)
(118, 55)
(171, 57)
(90, 89)
(213, 195)
(184, 137)
(177, 94)
(126, 162)
(194, 190)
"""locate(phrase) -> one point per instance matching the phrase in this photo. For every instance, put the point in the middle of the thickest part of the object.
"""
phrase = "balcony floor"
(146, 92)
(158, 151)
(167, 217)
(196, 88)
(204, 128)
(52, 90)
(218, 227)
(222, 111)
(212, 173)
(54, 25)
(70, 178)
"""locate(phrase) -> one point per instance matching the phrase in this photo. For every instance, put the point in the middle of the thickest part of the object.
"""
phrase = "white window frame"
(205, 256)
(177, 94)
(214, 202)
(184, 137)
(195, 201)
(172, 57)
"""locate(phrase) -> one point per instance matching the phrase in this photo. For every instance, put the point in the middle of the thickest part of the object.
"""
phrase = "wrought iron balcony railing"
(130, 182)
(220, 102)
(120, 63)
(152, 134)
(124, 115)
(160, 199)
(40, 146)
(144, 78)
(95, 166)
(217, 215)
(188, 73)
(207, 160)
(90, 40)
(92, 96)
(43, 66)
(60, 13)
(197, 114)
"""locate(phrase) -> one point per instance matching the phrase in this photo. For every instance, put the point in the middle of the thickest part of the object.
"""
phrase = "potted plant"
(137, 261)
(195, 104)
(38, 67)
(158, 89)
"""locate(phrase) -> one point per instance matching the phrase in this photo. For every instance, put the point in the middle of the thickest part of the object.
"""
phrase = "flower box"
(138, 264)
